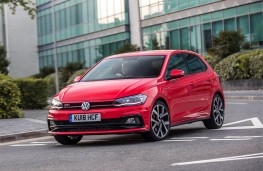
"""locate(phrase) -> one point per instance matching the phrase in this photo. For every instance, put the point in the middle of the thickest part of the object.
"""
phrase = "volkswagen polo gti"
(140, 92)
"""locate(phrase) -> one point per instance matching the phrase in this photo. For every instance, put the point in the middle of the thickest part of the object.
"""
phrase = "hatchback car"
(140, 92)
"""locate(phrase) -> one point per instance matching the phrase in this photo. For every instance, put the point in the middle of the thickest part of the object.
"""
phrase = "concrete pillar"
(135, 23)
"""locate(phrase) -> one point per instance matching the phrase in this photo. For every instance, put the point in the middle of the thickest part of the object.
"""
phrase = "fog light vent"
(52, 123)
(133, 120)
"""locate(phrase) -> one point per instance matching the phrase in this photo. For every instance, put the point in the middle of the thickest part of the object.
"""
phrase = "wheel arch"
(221, 95)
(164, 101)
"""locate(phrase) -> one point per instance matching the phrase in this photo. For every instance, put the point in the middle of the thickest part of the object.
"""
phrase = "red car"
(140, 92)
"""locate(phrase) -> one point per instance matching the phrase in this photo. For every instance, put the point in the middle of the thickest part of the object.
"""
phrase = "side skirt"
(189, 122)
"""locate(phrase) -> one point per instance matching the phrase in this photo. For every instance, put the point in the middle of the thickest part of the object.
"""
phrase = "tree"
(3, 61)
(155, 44)
(28, 6)
(100, 55)
(127, 48)
(227, 43)
(45, 71)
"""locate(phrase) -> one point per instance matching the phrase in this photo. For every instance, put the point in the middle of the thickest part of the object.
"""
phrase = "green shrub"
(212, 60)
(242, 65)
(246, 46)
(75, 74)
(9, 98)
(34, 92)
(67, 71)
(51, 84)
(51, 78)
(256, 64)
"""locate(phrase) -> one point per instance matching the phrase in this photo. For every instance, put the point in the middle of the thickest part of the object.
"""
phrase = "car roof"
(148, 53)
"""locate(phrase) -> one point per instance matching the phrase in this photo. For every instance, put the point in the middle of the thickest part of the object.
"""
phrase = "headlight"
(56, 104)
(131, 100)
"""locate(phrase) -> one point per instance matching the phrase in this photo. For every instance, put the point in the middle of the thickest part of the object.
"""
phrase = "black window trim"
(190, 72)
(167, 77)
(186, 63)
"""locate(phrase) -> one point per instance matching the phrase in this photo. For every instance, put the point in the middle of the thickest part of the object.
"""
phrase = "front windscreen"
(126, 68)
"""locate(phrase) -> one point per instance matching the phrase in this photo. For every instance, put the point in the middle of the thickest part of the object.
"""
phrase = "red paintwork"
(177, 73)
(188, 98)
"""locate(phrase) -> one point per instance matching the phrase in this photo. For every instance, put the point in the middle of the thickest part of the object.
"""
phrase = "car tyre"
(68, 140)
(217, 113)
(159, 124)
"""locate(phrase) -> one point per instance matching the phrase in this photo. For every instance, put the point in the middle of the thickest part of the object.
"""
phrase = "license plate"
(93, 117)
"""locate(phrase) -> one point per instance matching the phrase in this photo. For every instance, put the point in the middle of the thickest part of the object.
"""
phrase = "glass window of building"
(243, 26)
(256, 24)
(174, 39)
(230, 24)
(184, 39)
(217, 27)
(195, 39)
(182, 4)
(206, 36)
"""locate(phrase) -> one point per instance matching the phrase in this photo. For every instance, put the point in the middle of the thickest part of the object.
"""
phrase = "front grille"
(93, 105)
(103, 125)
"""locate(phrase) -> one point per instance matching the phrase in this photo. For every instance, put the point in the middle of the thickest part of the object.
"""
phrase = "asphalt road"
(238, 146)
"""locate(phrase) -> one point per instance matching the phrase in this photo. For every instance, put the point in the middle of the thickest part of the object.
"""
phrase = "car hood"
(106, 90)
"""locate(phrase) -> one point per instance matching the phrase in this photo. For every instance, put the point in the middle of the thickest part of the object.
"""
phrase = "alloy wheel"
(160, 121)
(218, 110)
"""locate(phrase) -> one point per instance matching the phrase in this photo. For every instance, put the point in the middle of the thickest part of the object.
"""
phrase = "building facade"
(18, 34)
(86, 30)
(192, 24)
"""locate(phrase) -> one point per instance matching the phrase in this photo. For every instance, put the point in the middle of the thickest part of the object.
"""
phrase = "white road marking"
(94, 140)
(44, 142)
(242, 157)
(230, 139)
(26, 145)
(227, 138)
(243, 136)
(181, 140)
(25, 141)
(255, 121)
(190, 138)
(236, 103)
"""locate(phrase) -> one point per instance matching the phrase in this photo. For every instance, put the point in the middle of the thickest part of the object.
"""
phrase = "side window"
(195, 64)
(177, 61)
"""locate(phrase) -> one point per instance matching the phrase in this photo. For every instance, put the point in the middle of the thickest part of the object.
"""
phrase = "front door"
(179, 90)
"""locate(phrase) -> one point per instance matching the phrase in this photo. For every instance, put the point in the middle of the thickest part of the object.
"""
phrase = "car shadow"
(130, 139)
(183, 132)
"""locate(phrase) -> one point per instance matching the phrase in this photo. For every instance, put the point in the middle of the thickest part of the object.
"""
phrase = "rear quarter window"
(195, 64)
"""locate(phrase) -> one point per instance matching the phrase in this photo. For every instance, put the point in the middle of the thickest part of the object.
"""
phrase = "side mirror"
(176, 74)
(77, 79)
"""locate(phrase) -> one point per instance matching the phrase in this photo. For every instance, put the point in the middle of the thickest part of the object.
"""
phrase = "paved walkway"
(34, 124)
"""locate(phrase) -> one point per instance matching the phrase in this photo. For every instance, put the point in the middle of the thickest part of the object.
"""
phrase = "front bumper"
(114, 121)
